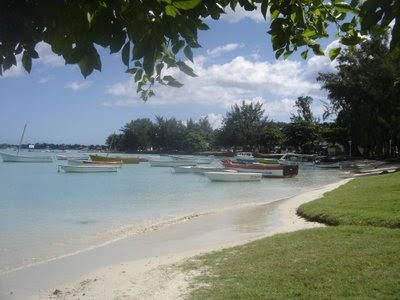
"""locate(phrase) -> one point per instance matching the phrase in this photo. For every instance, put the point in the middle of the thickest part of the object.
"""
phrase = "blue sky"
(235, 63)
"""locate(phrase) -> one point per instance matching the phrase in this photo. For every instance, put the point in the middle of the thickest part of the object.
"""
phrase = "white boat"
(22, 158)
(74, 157)
(198, 160)
(295, 159)
(244, 157)
(233, 176)
(73, 162)
(266, 170)
(171, 163)
(7, 157)
(197, 169)
(88, 169)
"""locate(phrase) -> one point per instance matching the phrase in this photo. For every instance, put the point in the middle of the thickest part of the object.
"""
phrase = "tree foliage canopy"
(364, 94)
(151, 35)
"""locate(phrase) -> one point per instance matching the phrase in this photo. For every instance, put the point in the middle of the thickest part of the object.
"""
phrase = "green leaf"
(333, 53)
(138, 75)
(178, 46)
(279, 53)
(188, 53)
(186, 4)
(171, 11)
(131, 71)
(148, 62)
(316, 48)
(117, 41)
(345, 8)
(159, 67)
(233, 4)
(287, 54)
(278, 41)
(264, 8)
(186, 69)
(345, 27)
(309, 32)
(86, 66)
(126, 54)
(304, 54)
(171, 81)
(203, 26)
(90, 62)
(27, 61)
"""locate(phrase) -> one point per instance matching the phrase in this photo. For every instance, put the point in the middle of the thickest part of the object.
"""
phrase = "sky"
(236, 63)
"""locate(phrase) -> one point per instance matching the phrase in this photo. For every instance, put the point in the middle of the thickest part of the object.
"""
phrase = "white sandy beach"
(147, 267)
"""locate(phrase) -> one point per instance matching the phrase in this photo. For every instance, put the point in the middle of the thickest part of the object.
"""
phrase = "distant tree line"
(363, 95)
(244, 128)
(50, 146)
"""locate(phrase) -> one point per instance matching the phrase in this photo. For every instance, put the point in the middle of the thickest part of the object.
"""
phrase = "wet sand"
(144, 266)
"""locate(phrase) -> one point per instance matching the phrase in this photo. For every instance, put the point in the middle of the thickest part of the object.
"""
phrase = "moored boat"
(197, 169)
(88, 168)
(267, 170)
(125, 160)
(23, 158)
(171, 163)
(233, 176)
(73, 162)
(295, 159)
(74, 157)
(244, 157)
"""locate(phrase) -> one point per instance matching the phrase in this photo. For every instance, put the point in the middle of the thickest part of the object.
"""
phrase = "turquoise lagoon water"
(46, 214)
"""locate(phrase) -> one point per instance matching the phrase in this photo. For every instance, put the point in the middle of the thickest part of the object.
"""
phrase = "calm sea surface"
(46, 214)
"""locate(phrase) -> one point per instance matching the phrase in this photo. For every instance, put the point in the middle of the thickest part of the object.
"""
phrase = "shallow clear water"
(45, 214)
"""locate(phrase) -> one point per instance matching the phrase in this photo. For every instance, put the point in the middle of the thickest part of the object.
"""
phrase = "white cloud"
(14, 71)
(276, 84)
(240, 14)
(75, 85)
(47, 56)
(45, 79)
(215, 120)
(223, 49)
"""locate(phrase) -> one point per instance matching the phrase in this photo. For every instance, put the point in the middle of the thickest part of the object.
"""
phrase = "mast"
(20, 142)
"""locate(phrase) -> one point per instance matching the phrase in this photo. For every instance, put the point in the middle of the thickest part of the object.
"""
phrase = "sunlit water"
(46, 214)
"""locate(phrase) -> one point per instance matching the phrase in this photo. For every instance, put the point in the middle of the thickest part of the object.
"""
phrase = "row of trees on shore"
(363, 95)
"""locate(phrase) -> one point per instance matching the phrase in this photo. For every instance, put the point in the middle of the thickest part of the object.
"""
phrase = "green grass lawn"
(340, 262)
(325, 263)
(370, 200)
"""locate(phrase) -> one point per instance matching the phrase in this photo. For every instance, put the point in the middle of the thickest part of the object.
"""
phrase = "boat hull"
(199, 170)
(73, 162)
(171, 163)
(125, 160)
(88, 169)
(21, 158)
(233, 176)
(277, 171)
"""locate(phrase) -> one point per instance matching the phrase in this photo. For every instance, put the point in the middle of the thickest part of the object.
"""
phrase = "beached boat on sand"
(88, 168)
(125, 160)
(22, 158)
(267, 170)
(233, 176)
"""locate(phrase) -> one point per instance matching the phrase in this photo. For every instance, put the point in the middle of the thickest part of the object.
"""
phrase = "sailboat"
(8, 157)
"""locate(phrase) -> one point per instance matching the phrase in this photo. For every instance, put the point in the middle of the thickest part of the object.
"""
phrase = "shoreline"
(114, 271)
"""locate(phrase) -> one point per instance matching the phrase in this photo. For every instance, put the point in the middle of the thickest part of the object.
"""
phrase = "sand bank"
(145, 266)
